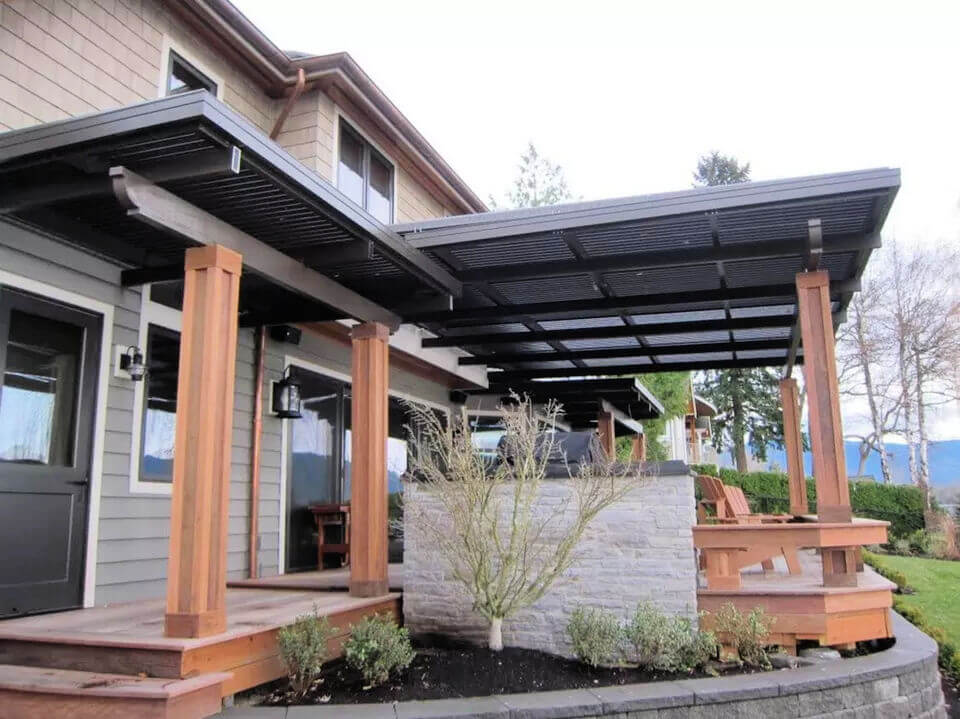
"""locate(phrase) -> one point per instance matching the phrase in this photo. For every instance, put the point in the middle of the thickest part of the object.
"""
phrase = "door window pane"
(313, 463)
(350, 167)
(379, 189)
(38, 401)
(160, 410)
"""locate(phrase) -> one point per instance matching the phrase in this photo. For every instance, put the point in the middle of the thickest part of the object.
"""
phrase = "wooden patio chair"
(711, 493)
(739, 508)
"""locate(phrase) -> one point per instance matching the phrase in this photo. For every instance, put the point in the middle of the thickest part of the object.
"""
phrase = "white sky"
(626, 95)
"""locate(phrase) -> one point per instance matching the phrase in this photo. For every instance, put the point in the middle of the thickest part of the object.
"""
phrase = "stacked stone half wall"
(640, 548)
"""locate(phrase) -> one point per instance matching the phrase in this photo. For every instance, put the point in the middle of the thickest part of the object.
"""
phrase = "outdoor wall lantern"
(286, 396)
(131, 361)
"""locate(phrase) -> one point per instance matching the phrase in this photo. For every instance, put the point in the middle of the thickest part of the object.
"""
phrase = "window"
(184, 77)
(364, 175)
(160, 405)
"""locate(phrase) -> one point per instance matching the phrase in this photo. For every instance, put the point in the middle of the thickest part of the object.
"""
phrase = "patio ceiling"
(191, 151)
(688, 280)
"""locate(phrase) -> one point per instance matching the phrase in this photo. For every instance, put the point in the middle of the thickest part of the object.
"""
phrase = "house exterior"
(65, 59)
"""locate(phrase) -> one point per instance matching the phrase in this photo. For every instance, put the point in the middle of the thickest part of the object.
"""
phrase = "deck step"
(39, 691)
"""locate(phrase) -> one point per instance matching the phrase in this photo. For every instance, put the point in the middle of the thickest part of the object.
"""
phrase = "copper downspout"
(256, 441)
(291, 101)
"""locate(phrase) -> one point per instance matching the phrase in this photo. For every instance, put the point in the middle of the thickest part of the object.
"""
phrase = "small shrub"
(667, 643)
(920, 542)
(303, 649)
(894, 575)
(596, 636)
(747, 633)
(901, 546)
(377, 648)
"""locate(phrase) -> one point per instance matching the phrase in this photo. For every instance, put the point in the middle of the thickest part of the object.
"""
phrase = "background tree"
(539, 182)
(747, 400)
(864, 372)
(673, 391)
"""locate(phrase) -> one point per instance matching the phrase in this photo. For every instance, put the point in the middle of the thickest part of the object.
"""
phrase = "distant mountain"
(944, 462)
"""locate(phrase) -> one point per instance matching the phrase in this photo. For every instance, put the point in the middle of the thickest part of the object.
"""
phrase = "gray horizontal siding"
(134, 528)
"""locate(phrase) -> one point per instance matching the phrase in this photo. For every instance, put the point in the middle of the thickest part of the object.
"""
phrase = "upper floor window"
(184, 77)
(364, 175)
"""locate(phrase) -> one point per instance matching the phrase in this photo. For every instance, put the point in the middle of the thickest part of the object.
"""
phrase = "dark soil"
(952, 698)
(466, 671)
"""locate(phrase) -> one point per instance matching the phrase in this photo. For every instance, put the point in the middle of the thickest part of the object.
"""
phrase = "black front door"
(49, 354)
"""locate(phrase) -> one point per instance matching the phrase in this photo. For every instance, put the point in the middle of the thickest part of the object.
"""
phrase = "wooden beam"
(638, 451)
(606, 432)
(826, 431)
(197, 569)
(793, 442)
(368, 488)
(158, 208)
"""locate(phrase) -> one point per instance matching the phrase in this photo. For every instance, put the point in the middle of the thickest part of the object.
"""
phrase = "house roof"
(275, 71)
(55, 177)
(701, 278)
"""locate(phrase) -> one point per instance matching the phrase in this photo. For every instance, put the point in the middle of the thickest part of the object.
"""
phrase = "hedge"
(900, 504)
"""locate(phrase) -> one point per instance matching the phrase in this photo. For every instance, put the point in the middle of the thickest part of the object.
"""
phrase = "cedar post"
(826, 432)
(793, 441)
(607, 434)
(368, 492)
(694, 439)
(197, 571)
(638, 451)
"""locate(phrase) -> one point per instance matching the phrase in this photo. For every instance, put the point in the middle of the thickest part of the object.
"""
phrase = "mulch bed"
(467, 671)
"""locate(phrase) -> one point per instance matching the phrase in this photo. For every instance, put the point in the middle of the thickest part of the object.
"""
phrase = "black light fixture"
(286, 396)
(131, 361)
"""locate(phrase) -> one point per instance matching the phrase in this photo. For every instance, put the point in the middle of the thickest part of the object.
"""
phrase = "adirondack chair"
(731, 507)
(711, 491)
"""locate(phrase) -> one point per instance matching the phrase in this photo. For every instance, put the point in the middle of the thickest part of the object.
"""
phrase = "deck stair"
(44, 692)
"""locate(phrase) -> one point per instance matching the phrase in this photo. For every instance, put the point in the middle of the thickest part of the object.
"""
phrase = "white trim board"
(165, 49)
(100, 412)
(296, 361)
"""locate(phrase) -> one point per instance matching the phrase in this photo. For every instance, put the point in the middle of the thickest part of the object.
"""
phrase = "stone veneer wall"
(640, 548)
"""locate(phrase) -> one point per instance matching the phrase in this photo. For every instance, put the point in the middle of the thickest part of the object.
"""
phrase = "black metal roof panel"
(706, 273)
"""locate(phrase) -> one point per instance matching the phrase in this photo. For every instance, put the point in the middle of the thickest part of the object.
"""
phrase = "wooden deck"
(317, 580)
(804, 609)
(128, 638)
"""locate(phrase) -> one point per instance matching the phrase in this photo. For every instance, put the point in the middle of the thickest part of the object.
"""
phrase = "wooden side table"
(332, 515)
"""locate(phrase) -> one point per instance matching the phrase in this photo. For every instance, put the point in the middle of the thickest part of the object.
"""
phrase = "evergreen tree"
(747, 400)
(539, 182)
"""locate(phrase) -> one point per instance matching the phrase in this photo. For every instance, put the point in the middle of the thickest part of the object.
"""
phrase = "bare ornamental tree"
(500, 542)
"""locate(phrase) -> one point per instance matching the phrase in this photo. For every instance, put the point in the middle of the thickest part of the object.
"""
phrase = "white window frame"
(168, 46)
(339, 115)
(151, 313)
(296, 361)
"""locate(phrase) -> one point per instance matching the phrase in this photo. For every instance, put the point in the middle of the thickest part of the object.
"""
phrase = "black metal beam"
(507, 376)
(335, 254)
(146, 275)
(619, 304)
(680, 257)
(586, 333)
(614, 352)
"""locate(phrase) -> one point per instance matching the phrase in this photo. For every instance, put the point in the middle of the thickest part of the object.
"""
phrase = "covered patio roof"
(142, 183)
(697, 279)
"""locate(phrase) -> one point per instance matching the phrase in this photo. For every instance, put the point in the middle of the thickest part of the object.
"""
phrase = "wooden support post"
(793, 441)
(694, 440)
(607, 434)
(826, 432)
(197, 569)
(638, 451)
(368, 492)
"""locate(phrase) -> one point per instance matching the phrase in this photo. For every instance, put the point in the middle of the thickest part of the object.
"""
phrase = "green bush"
(303, 649)
(747, 633)
(667, 643)
(900, 504)
(920, 542)
(596, 636)
(377, 648)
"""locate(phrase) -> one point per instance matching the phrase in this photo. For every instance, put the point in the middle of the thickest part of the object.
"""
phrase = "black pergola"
(698, 279)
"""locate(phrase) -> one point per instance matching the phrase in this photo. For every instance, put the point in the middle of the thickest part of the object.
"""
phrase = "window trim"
(151, 313)
(339, 118)
(189, 58)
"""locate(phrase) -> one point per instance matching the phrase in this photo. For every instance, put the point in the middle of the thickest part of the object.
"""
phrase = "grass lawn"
(937, 583)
